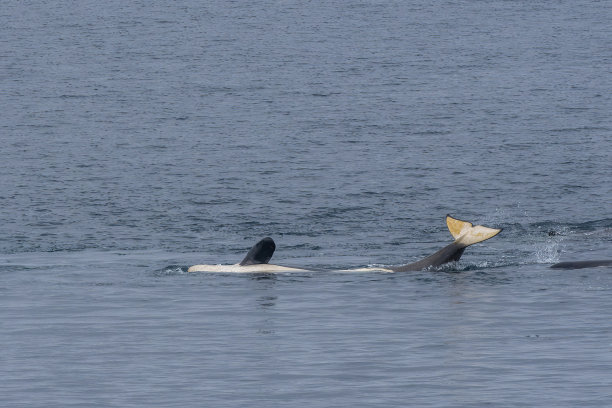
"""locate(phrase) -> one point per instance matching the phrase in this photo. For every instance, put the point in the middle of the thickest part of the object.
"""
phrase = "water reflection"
(265, 282)
(266, 301)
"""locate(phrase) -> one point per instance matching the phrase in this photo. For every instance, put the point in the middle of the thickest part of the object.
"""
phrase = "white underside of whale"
(268, 268)
(371, 269)
(237, 268)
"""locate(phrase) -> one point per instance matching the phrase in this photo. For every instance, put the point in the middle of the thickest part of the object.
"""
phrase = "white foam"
(547, 252)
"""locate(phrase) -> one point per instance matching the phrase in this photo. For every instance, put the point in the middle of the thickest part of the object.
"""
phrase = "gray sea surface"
(138, 138)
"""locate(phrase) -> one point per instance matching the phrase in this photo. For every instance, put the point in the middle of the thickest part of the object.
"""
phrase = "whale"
(582, 264)
(463, 232)
(255, 261)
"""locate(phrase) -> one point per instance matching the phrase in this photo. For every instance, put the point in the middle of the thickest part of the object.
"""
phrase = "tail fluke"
(457, 227)
(466, 234)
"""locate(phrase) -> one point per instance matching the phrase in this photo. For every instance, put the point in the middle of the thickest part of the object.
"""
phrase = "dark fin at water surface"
(582, 264)
(260, 253)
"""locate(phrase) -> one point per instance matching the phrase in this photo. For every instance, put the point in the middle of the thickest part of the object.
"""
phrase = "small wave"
(482, 265)
(567, 228)
(171, 270)
(579, 129)
(473, 266)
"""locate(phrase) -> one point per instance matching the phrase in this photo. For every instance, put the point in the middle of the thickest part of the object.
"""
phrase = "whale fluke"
(457, 227)
(465, 234)
(260, 253)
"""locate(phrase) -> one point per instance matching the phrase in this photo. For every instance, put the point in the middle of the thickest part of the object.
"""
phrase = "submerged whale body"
(582, 264)
(465, 234)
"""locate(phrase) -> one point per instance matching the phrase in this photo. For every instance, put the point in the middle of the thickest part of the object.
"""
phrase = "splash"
(549, 250)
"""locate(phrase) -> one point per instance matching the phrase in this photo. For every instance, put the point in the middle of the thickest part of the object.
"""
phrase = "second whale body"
(582, 264)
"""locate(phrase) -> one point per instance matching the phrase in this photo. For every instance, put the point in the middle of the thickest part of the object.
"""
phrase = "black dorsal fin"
(261, 253)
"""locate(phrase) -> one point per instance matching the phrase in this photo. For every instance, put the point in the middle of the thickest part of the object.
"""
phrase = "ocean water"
(139, 138)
